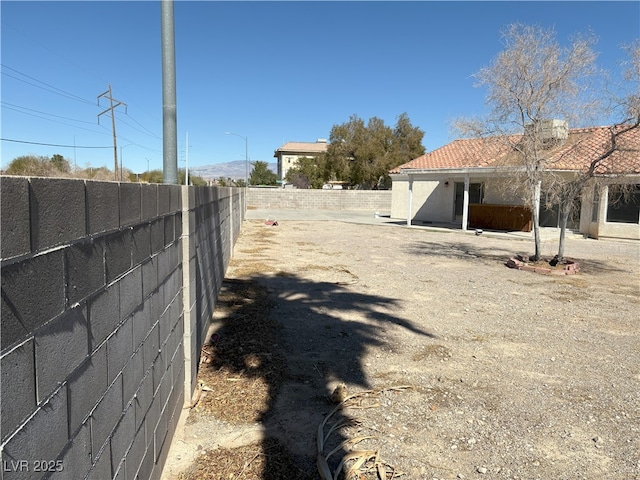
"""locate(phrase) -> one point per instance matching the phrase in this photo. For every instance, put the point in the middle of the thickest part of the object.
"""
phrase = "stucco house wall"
(599, 226)
(288, 154)
(425, 189)
(432, 200)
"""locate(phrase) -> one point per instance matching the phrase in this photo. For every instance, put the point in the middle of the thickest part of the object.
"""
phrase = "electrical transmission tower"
(113, 103)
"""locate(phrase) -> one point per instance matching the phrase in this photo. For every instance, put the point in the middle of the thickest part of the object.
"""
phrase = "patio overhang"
(438, 173)
(443, 174)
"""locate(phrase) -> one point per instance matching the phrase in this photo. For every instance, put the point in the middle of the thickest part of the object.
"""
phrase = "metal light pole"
(169, 109)
(186, 163)
(246, 156)
(75, 163)
(122, 158)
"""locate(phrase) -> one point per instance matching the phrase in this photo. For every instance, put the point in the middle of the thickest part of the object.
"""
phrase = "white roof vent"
(551, 129)
(321, 140)
(555, 130)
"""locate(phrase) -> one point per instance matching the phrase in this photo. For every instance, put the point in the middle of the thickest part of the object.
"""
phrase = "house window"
(624, 205)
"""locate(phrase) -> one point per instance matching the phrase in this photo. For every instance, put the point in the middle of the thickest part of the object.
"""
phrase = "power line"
(60, 123)
(79, 67)
(58, 92)
(148, 132)
(46, 144)
(105, 132)
(43, 113)
(63, 93)
(28, 37)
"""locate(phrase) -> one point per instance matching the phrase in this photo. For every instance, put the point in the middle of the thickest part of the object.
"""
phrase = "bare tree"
(566, 190)
(605, 157)
(533, 80)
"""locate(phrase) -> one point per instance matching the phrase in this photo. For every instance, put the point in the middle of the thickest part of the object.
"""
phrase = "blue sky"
(271, 72)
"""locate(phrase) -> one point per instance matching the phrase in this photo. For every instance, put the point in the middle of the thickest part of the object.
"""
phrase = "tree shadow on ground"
(294, 340)
(499, 254)
(464, 250)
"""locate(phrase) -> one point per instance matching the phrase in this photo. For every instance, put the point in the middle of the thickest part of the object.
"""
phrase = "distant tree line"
(359, 155)
(58, 166)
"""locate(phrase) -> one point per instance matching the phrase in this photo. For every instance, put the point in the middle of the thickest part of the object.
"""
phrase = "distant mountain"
(235, 170)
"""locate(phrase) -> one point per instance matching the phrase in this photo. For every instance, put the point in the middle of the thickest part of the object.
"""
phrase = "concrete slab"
(384, 218)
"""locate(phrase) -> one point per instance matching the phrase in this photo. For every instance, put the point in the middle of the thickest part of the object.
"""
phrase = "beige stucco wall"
(432, 200)
(495, 194)
(399, 190)
(289, 161)
(602, 228)
(619, 230)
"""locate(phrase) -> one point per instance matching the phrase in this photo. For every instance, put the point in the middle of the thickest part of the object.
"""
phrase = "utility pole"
(186, 164)
(169, 109)
(111, 108)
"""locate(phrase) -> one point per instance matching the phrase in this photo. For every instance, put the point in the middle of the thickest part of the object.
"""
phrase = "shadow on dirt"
(463, 250)
(295, 340)
(500, 254)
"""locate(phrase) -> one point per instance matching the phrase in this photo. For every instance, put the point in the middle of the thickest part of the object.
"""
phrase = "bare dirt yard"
(461, 367)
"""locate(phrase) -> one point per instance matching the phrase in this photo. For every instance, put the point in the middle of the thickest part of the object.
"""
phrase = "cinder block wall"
(97, 318)
(319, 199)
(215, 218)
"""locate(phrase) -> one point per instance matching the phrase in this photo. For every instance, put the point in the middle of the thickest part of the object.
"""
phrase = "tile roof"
(304, 147)
(582, 146)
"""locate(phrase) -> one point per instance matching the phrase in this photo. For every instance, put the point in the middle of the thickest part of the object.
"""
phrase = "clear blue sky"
(272, 72)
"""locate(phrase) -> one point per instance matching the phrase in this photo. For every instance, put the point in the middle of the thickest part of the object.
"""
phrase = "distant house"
(459, 185)
(289, 153)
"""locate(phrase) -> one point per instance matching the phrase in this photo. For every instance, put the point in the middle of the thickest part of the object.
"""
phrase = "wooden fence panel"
(500, 217)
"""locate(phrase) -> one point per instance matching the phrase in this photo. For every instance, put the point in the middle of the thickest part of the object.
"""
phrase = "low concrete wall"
(319, 199)
(106, 290)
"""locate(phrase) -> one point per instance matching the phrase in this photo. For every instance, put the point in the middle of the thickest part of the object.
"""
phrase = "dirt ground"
(473, 370)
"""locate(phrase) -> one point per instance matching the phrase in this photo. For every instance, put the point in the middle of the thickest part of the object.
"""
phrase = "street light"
(246, 157)
(75, 163)
(122, 158)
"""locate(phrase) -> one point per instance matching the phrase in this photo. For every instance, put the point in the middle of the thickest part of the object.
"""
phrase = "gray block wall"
(276, 198)
(107, 290)
(211, 225)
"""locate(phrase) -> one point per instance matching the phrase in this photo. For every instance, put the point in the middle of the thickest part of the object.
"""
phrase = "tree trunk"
(564, 213)
(536, 222)
(536, 235)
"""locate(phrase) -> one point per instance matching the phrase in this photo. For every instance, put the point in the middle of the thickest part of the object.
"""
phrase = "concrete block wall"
(95, 369)
(215, 218)
(276, 198)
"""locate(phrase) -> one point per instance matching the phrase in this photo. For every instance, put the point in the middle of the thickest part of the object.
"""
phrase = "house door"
(476, 194)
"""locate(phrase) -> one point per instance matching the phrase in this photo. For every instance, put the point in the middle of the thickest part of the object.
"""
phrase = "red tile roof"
(582, 146)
